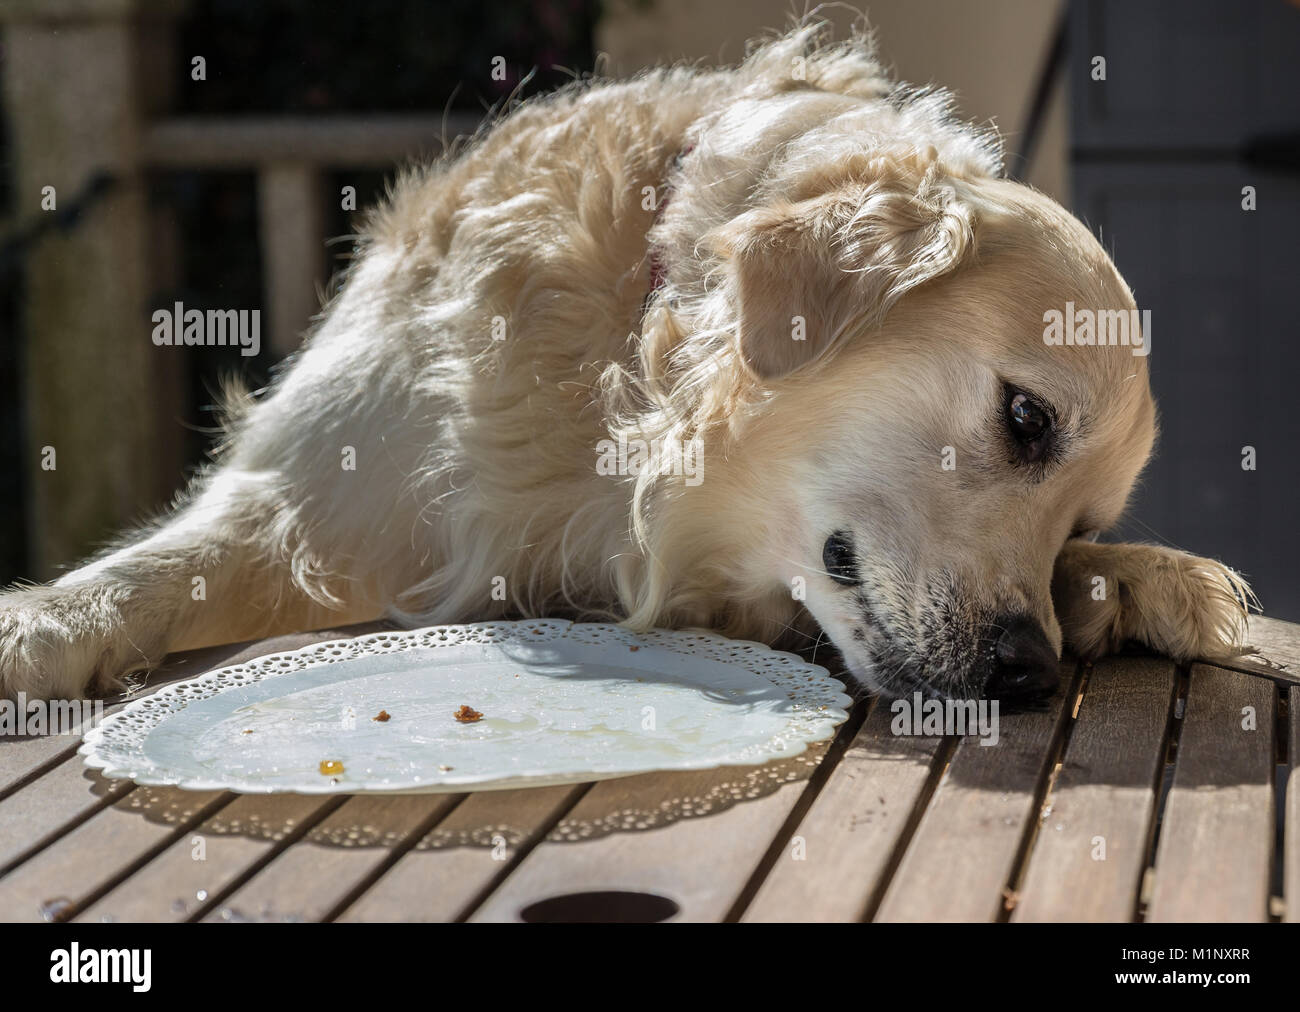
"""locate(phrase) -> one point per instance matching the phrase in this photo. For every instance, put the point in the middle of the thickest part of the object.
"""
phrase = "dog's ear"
(805, 275)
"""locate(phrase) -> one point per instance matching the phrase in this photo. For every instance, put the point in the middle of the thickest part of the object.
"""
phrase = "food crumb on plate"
(382, 716)
(330, 767)
(467, 715)
(446, 769)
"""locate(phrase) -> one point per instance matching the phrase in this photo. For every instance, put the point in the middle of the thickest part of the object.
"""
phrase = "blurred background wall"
(220, 192)
(990, 52)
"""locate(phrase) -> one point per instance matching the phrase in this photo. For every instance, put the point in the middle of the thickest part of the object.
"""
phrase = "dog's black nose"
(1025, 667)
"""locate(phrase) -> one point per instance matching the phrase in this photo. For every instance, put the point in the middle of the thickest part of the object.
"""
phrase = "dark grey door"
(1201, 98)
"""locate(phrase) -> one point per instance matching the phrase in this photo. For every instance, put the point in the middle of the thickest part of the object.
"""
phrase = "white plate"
(561, 703)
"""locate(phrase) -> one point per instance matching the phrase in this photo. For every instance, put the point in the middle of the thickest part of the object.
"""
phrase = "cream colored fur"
(809, 185)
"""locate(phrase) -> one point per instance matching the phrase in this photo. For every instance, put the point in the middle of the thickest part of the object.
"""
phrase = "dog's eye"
(840, 560)
(1029, 422)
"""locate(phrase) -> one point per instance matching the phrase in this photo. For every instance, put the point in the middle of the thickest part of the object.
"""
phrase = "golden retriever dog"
(758, 349)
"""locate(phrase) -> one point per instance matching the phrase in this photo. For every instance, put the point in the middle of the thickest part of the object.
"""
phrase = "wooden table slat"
(194, 872)
(51, 805)
(1091, 850)
(841, 851)
(1214, 857)
(94, 856)
(24, 759)
(965, 850)
(463, 856)
(648, 834)
(337, 857)
(1278, 650)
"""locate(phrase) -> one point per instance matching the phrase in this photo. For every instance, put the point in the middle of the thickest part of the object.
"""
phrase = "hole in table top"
(606, 907)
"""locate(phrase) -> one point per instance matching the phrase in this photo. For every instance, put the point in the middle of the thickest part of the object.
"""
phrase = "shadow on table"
(484, 820)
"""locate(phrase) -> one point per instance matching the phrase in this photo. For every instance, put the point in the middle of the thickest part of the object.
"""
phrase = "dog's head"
(858, 316)
(923, 449)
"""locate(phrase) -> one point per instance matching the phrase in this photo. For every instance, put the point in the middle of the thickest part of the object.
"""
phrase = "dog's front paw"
(59, 643)
(1175, 603)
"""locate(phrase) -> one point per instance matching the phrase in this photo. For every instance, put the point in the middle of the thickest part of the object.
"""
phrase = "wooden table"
(1137, 794)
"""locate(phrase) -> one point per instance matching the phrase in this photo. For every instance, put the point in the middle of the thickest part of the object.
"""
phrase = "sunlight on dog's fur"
(917, 437)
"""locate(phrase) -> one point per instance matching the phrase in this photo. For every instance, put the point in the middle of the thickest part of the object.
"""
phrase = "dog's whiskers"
(788, 627)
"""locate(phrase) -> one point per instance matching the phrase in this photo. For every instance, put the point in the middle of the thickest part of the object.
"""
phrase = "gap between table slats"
(840, 855)
(463, 858)
(200, 868)
(353, 843)
(1214, 857)
(1091, 849)
(970, 841)
(300, 858)
(83, 864)
(644, 835)
(51, 806)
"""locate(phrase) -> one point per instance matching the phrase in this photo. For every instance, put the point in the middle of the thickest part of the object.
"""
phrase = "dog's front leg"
(1175, 603)
(212, 573)
(317, 515)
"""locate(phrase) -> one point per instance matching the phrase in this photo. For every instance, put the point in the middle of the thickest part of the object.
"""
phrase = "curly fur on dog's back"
(558, 252)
